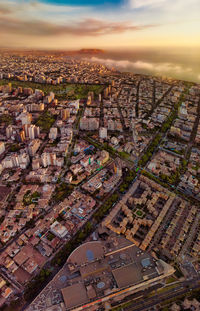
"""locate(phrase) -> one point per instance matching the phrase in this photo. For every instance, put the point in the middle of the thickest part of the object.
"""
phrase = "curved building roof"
(87, 252)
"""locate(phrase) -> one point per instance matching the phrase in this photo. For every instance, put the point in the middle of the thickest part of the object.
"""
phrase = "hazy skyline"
(62, 24)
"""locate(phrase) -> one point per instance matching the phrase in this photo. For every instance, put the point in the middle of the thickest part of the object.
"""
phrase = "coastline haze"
(179, 63)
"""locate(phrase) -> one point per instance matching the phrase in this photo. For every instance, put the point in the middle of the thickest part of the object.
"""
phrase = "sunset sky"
(108, 24)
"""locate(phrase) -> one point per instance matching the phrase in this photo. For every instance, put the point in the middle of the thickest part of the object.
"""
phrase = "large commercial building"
(102, 271)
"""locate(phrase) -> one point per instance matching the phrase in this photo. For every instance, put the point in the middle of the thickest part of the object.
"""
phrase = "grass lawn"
(62, 91)
(6, 118)
(45, 121)
(171, 279)
(139, 213)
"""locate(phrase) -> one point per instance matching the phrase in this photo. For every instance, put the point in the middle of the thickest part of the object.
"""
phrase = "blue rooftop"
(89, 255)
(146, 262)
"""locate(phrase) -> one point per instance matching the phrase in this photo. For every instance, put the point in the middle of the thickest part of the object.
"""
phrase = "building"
(9, 131)
(25, 118)
(102, 273)
(103, 133)
(103, 158)
(49, 98)
(2, 147)
(84, 123)
(34, 146)
(53, 133)
(59, 230)
(50, 159)
(28, 91)
(89, 124)
(39, 94)
(31, 131)
(21, 136)
(35, 163)
(65, 114)
(21, 160)
(93, 124)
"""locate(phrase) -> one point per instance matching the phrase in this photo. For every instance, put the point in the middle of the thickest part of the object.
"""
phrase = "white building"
(9, 131)
(25, 118)
(53, 133)
(50, 159)
(21, 160)
(31, 132)
(33, 147)
(59, 230)
(103, 133)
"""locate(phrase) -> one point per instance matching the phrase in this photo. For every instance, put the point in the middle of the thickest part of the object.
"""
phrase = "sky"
(111, 24)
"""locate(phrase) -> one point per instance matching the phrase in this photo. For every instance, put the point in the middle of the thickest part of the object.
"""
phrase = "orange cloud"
(87, 27)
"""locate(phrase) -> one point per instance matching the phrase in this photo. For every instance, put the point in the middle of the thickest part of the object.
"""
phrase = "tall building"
(53, 133)
(134, 131)
(65, 114)
(35, 163)
(104, 157)
(22, 136)
(2, 147)
(37, 131)
(111, 125)
(25, 118)
(21, 160)
(89, 100)
(39, 94)
(49, 98)
(89, 124)
(49, 159)
(118, 167)
(35, 107)
(93, 124)
(33, 147)
(31, 132)
(9, 131)
(84, 123)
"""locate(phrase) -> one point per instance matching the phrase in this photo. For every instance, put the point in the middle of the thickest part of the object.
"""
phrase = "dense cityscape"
(99, 187)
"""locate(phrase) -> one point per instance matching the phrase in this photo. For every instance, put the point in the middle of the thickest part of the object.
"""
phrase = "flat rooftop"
(75, 295)
(127, 275)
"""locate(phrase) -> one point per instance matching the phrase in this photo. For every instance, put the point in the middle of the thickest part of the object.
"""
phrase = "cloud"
(141, 65)
(5, 9)
(86, 27)
(135, 4)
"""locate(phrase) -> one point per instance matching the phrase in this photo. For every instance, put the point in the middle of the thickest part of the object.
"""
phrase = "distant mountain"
(55, 52)
(90, 51)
